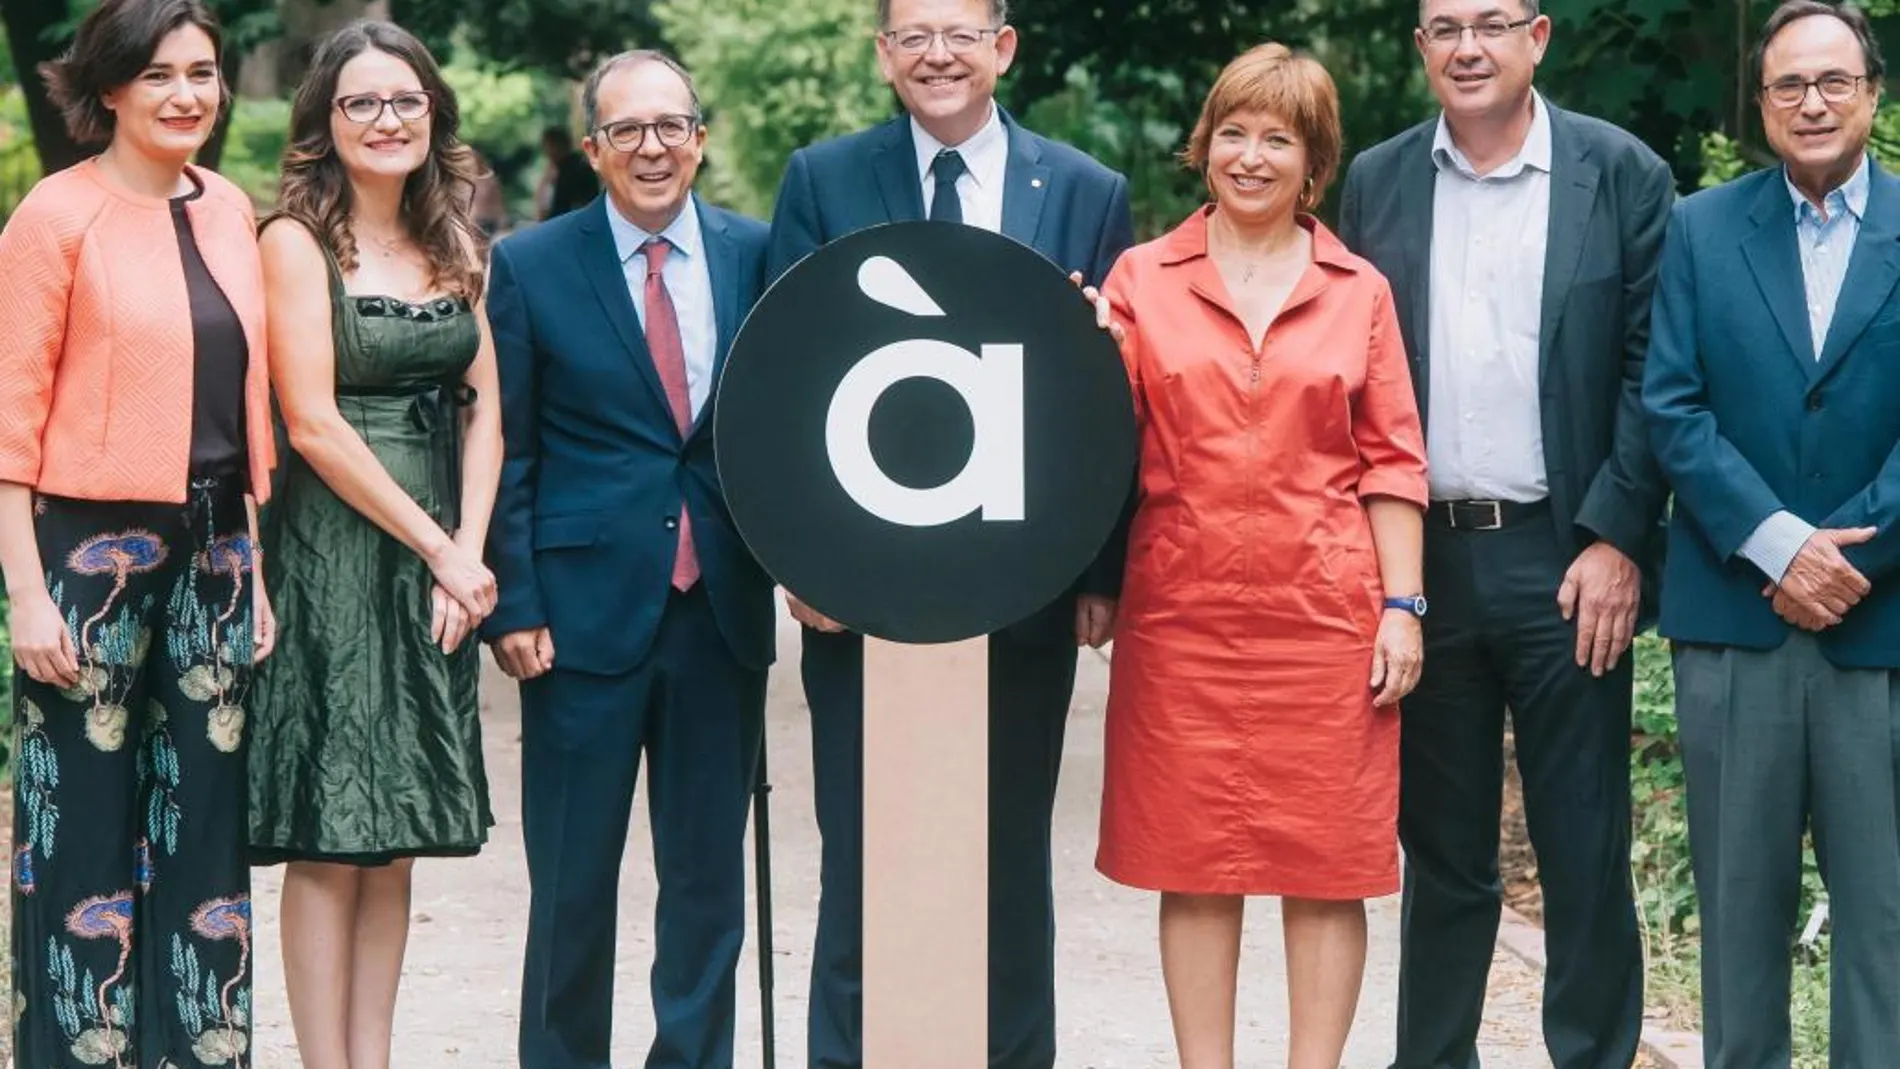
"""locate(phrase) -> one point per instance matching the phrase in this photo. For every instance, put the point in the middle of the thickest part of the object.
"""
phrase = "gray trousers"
(1771, 741)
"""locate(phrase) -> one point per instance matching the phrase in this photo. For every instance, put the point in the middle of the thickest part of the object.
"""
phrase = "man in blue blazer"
(943, 58)
(631, 612)
(1773, 394)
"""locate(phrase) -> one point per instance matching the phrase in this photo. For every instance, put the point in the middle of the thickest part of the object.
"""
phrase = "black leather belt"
(1484, 515)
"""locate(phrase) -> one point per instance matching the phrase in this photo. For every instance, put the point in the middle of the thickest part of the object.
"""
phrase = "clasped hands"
(1820, 585)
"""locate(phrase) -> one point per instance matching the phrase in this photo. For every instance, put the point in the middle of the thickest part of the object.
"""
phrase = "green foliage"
(254, 148)
(1137, 136)
(19, 163)
(503, 114)
(774, 76)
(562, 37)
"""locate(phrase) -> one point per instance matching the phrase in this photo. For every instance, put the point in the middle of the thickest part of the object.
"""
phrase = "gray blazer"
(1610, 199)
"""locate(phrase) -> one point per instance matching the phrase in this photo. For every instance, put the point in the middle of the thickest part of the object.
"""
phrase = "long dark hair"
(436, 198)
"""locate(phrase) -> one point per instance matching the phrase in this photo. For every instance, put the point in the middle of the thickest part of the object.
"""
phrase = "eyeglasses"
(1447, 34)
(961, 41)
(367, 108)
(628, 135)
(1835, 88)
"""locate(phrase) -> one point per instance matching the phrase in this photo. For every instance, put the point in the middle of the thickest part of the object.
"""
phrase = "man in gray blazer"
(1521, 244)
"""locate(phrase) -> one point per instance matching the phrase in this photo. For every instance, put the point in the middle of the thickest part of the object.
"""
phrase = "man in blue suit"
(631, 612)
(954, 156)
(1773, 394)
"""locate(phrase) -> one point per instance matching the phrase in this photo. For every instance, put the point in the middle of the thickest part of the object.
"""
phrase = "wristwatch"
(1414, 604)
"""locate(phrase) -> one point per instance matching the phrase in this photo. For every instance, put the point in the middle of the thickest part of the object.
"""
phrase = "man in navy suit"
(633, 615)
(954, 156)
(1773, 393)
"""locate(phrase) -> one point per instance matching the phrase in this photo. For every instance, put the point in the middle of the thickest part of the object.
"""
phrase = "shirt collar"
(1535, 152)
(682, 233)
(982, 147)
(1851, 195)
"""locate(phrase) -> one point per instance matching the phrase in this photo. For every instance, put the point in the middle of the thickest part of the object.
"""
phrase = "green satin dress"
(367, 741)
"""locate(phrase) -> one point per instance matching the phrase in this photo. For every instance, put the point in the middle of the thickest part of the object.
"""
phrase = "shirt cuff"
(1774, 544)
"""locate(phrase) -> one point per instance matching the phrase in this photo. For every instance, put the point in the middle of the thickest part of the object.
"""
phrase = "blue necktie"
(945, 205)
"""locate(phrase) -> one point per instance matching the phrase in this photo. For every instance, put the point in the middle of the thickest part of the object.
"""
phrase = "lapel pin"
(1035, 183)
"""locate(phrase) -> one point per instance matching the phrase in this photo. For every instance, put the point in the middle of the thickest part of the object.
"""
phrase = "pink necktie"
(669, 359)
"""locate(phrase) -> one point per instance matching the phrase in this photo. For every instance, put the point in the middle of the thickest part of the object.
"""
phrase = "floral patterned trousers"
(131, 896)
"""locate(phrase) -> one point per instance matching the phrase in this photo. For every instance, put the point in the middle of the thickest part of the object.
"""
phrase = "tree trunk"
(27, 22)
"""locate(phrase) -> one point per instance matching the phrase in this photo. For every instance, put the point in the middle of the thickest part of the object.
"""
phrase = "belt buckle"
(1496, 522)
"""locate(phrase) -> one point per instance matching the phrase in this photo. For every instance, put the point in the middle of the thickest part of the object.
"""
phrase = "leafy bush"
(254, 147)
(773, 77)
(19, 161)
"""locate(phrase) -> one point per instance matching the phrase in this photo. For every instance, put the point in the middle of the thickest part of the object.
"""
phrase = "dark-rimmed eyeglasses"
(628, 135)
(1835, 88)
(960, 40)
(367, 108)
(1447, 33)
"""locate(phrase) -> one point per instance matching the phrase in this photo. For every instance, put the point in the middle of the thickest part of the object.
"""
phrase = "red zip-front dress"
(1244, 755)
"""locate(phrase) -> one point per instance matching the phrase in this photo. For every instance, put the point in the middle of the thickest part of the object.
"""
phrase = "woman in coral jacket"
(1267, 626)
(135, 441)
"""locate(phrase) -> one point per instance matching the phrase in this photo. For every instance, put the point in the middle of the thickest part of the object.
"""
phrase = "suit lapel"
(601, 262)
(1776, 264)
(895, 164)
(1418, 183)
(1872, 271)
(722, 265)
(1025, 185)
(1573, 194)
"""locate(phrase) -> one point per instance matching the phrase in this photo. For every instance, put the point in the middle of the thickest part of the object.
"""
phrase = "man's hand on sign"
(811, 617)
(1094, 620)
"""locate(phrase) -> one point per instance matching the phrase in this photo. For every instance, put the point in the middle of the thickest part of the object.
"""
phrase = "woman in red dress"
(1267, 627)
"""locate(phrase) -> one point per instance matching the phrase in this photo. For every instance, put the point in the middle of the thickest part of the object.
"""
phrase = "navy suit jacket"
(1746, 422)
(1056, 200)
(586, 519)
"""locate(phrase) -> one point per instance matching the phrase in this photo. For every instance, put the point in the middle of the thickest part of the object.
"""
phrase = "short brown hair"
(1272, 78)
(113, 45)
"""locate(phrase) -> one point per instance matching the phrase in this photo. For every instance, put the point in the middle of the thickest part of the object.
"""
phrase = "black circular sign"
(923, 434)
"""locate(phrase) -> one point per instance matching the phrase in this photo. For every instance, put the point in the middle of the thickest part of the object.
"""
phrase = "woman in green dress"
(367, 751)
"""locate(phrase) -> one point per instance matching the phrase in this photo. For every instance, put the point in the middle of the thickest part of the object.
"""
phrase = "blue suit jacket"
(1056, 200)
(1746, 422)
(586, 520)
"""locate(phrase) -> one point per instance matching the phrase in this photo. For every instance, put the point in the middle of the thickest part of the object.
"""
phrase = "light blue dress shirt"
(688, 281)
(1826, 240)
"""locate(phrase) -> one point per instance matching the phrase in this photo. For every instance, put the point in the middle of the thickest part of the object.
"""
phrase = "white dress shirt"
(1485, 437)
(688, 281)
(985, 161)
(1826, 242)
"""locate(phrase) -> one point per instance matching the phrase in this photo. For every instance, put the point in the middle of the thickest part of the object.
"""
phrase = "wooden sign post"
(926, 855)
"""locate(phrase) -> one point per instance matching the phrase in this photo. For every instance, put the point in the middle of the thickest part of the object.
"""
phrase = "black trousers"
(1030, 686)
(1496, 640)
(131, 896)
(697, 715)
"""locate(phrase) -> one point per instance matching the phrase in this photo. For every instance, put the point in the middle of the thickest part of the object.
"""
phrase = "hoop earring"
(1306, 194)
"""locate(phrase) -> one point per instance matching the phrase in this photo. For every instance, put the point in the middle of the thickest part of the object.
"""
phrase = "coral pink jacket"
(96, 346)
